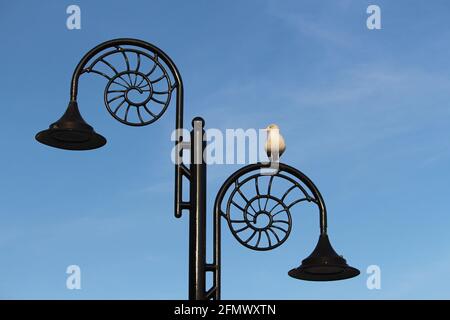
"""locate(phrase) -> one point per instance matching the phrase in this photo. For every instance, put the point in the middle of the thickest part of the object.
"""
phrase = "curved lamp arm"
(115, 43)
(317, 197)
(323, 264)
(73, 133)
(180, 169)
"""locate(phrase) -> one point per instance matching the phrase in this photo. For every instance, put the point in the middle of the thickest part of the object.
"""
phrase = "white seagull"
(275, 144)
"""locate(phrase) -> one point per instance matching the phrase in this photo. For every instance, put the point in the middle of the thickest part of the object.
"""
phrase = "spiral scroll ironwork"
(258, 207)
(139, 91)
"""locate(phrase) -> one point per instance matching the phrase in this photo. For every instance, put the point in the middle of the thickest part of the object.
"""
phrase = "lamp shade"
(324, 264)
(71, 132)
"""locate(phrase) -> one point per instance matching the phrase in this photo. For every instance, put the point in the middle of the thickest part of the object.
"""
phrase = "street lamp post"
(138, 94)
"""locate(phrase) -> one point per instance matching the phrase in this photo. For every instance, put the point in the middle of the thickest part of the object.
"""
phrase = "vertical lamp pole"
(148, 73)
(197, 218)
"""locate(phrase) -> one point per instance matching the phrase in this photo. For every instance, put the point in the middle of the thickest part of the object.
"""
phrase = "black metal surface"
(103, 55)
(138, 96)
(71, 132)
(243, 212)
(152, 102)
(197, 217)
(198, 265)
(324, 264)
(154, 86)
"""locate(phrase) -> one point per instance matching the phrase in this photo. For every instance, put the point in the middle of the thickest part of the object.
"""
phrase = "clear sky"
(365, 115)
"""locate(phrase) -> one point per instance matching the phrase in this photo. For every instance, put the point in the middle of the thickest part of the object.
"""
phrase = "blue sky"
(365, 115)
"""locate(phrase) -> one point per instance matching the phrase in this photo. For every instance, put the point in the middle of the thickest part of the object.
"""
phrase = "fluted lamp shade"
(71, 132)
(324, 264)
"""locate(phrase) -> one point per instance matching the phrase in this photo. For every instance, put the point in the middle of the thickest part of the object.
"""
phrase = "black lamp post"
(139, 95)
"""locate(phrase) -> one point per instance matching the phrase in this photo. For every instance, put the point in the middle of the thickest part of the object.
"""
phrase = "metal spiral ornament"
(258, 207)
(139, 91)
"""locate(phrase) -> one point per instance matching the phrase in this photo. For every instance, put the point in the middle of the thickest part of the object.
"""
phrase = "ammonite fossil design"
(139, 91)
(258, 207)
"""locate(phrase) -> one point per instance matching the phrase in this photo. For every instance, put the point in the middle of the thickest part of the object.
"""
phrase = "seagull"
(275, 144)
